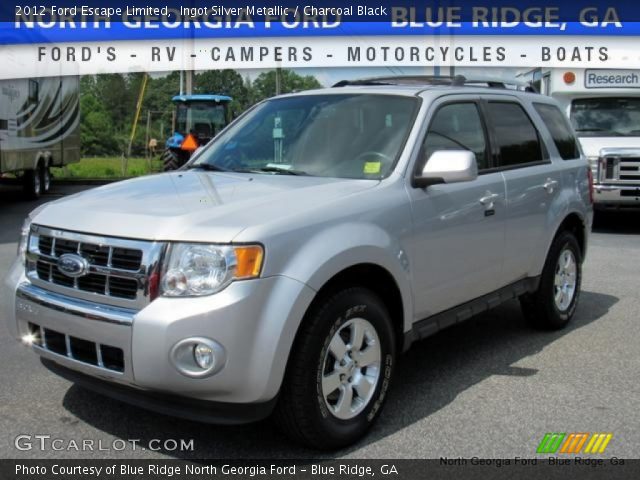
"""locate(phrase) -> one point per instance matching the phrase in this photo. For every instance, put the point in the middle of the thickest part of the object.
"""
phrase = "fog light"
(203, 354)
(198, 357)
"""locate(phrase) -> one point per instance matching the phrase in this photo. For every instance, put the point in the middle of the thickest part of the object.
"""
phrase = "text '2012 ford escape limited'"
(289, 263)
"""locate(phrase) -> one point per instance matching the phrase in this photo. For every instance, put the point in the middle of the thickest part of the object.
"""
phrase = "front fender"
(329, 252)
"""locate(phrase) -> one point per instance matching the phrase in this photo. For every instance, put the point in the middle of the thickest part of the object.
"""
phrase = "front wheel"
(552, 306)
(339, 371)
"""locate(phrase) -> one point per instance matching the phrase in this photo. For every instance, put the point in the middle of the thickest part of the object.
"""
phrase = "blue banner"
(92, 20)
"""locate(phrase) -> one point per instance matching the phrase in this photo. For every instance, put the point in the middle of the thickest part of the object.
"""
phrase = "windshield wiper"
(277, 170)
(207, 167)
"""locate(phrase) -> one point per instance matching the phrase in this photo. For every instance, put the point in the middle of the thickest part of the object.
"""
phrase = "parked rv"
(604, 108)
(39, 129)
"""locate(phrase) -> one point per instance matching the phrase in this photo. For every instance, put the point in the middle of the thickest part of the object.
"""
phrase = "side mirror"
(448, 166)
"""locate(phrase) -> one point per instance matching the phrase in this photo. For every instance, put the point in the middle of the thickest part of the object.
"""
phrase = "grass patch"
(107, 168)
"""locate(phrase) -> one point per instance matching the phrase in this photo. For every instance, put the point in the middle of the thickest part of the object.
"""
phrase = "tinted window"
(457, 127)
(516, 136)
(558, 127)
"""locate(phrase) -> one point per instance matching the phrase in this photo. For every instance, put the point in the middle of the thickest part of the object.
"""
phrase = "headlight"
(200, 269)
(23, 243)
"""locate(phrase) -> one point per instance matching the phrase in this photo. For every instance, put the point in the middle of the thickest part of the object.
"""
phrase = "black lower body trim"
(429, 326)
(173, 405)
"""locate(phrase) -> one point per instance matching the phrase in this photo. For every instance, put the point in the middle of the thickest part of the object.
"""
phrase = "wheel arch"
(373, 277)
(40, 158)
(574, 223)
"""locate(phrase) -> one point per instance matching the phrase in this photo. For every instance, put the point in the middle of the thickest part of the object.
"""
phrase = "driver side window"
(457, 126)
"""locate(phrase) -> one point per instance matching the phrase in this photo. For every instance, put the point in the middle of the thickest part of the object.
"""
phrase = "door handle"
(488, 200)
(550, 185)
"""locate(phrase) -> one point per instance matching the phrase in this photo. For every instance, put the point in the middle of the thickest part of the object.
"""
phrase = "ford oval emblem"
(73, 265)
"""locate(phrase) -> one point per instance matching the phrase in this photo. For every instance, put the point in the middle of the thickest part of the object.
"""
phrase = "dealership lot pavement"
(491, 387)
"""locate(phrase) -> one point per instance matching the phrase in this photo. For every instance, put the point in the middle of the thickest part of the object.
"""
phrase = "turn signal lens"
(249, 261)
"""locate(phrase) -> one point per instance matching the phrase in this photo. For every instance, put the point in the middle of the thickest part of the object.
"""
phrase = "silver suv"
(286, 266)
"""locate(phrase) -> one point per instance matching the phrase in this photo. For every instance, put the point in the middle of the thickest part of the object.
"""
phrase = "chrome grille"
(621, 166)
(629, 169)
(119, 270)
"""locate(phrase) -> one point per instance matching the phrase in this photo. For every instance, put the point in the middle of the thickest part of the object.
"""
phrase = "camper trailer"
(39, 129)
(604, 109)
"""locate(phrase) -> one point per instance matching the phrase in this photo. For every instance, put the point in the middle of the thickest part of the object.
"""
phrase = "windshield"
(347, 136)
(606, 117)
(203, 119)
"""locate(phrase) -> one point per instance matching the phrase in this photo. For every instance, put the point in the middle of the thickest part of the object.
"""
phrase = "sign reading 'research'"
(612, 79)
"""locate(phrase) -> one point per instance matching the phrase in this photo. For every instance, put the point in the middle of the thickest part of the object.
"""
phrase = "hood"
(592, 145)
(193, 205)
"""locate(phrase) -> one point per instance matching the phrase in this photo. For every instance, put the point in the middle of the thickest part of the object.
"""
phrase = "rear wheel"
(339, 371)
(170, 160)
(552, 306)
(32, 182)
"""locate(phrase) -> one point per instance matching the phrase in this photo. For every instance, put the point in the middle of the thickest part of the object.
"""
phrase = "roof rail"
(454, 81)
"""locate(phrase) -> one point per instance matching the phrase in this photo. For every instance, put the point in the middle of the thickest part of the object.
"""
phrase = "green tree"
(96, 133)
(225, 82)
(158, 97)
(265, 85)
(108, 103)
(115, 95)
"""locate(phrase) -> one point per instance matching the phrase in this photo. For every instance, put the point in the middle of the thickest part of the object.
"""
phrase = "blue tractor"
(197, 120)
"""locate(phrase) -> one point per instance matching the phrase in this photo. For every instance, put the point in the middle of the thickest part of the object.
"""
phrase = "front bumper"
(220, 413)
(255, 321)
(616, 196)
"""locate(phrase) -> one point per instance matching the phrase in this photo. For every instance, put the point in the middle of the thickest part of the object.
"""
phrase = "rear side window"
(558, 127)
(516, 137)
(457, 126)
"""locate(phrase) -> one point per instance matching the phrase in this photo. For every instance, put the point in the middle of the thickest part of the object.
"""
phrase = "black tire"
(170, 160)
(302, 411)
(32, 183)
(45, 179)
(540, 308)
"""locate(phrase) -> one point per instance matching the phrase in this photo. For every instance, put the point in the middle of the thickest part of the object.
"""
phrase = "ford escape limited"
(287, 265)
